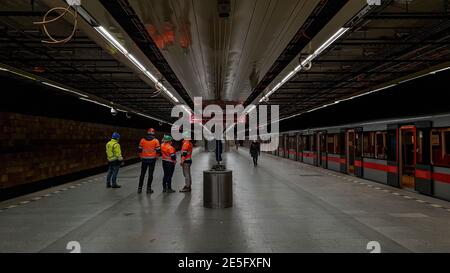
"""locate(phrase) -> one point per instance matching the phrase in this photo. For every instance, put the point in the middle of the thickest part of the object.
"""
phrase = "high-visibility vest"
(149, 148)
(113, 151)
(186, 151)
(167, 152)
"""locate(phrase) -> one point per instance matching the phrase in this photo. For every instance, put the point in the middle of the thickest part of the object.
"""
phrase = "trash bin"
(218, 189)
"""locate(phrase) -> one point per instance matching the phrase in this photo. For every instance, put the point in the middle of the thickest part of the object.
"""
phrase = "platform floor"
(279, 206)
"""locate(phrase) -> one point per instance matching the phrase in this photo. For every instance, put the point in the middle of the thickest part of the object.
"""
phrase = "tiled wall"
(34, 148)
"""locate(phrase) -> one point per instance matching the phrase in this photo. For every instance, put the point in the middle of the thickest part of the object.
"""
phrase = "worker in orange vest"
(186, 161)
(149, 150)
(169, 158)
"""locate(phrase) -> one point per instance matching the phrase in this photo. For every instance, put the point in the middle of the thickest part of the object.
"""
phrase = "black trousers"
(150, 165)
(255, 159)
(169, 168)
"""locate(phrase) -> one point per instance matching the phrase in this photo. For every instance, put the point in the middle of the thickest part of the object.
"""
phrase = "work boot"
(116, 186)
(164, 190)
(185, 189)
(149, 191)
(139, 190)
(108, 186)
(170, 191)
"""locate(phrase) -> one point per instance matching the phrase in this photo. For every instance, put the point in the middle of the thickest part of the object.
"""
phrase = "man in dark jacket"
(255, 151)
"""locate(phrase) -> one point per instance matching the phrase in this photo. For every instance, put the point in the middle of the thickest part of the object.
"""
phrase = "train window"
(440, 147)
(420, 147)
(369, 144)
(312, 143)
(333, 146)
(300, 143)
(291, 144)
(330, 144)
(380, 145)
(305, 143)
(391, 145)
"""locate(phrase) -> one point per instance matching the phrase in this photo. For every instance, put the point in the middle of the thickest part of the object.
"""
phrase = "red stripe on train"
(428, 175)
(313, 155)
(377, 166)
(337, 159)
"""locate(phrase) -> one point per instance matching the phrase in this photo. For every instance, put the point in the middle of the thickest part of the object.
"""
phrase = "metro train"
(410, 153)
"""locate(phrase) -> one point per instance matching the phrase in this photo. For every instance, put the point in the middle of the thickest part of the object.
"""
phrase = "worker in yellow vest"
(115, 160)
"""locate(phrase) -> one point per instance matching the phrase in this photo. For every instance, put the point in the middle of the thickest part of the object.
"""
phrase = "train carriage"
(410, 153)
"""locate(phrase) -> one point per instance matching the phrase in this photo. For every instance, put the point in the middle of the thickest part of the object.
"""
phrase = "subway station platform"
(279, 206)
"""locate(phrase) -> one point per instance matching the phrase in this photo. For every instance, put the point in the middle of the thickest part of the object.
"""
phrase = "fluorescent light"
(413, 78)
(136, 62)
(20, 74)
(367, 93)
(96, 102)
(331, 40)
(150, 75)
(64, 89)
(111, 39)
(308, 60)
(150, 117)
(440, 70)
(4, 69)
(133, 59)
(252, 107)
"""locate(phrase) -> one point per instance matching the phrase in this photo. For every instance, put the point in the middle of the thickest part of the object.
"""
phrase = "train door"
(299, 148)
(407, 154)
(351, 151)
(359, 164)
(322, 150)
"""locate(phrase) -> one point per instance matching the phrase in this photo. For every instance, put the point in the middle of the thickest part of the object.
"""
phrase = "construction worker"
(115, 160)
(186, 161)
(169, 158)
(149, 150)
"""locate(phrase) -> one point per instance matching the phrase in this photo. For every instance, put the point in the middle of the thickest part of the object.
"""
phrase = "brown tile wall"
(34, 148)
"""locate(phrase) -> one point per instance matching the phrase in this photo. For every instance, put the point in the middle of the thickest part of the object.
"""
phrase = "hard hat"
(167, 138)
(151, 131)
(187, 134)
(115, 135)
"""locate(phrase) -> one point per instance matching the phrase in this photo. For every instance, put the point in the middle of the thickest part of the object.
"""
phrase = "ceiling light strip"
(305, 62)
(113, 41)
(64, 89)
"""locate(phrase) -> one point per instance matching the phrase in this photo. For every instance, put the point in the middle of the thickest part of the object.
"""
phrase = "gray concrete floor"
(279, 206)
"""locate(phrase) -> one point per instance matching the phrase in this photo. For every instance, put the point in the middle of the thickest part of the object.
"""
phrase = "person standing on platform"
(255, 151)
(186, 161)
(115, 160)
(169, 158)
(149, 150)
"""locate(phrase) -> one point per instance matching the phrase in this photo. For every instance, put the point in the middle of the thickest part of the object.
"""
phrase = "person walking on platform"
(115, 160)
(186, 161)
(149, 150)
(169, 158)
(255, 151)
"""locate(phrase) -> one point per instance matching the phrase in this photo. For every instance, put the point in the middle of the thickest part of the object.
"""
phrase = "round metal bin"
(218, 189)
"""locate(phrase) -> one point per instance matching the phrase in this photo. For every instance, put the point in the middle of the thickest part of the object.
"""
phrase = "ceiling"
(230, 59)
(80, 63)
(221, 58)
(398, 40)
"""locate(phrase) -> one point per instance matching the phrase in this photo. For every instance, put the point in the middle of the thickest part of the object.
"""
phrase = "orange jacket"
(186, 151)
(149, 148)
(168, 152)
